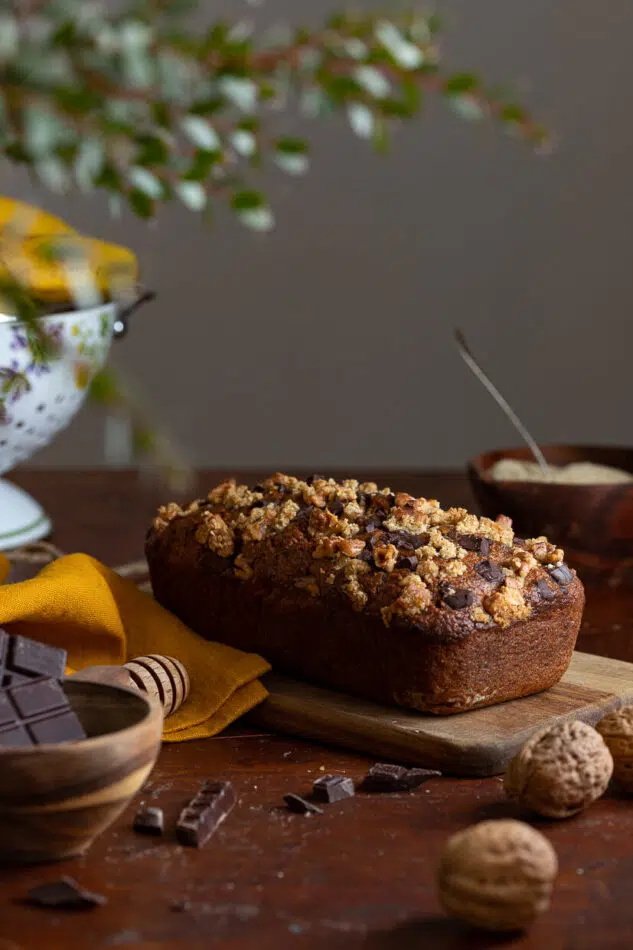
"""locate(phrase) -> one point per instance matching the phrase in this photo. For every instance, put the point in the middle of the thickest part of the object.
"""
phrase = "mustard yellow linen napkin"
(100, 618)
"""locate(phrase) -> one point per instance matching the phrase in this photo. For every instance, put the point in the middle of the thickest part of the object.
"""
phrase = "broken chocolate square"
(333, 788)
(149, 821)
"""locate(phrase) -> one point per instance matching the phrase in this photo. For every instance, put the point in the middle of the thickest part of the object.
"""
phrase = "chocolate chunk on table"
(149, 821)
(384, 777)
(301, 806)
(35, 713)
(333, 788)
(65, 894)
(205, 813)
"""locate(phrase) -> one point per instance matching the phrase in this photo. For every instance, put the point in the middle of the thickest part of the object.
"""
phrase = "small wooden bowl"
(592, 523)
(56, 799)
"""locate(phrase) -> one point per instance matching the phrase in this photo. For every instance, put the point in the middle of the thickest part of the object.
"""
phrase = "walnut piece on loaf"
(497, 875)
(560, 770)
(443, 606)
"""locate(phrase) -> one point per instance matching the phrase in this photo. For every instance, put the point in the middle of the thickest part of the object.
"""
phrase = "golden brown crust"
(448, 611)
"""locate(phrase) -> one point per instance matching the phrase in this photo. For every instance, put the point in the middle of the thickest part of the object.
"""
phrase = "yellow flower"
(82, 375)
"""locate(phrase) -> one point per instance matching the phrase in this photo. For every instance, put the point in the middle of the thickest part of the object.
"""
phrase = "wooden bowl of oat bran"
(587, 507)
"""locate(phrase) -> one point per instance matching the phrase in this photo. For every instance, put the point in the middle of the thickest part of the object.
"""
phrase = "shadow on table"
(424, 933)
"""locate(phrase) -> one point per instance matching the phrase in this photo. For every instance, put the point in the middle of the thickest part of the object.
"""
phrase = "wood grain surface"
(359, 876)
(480, 742)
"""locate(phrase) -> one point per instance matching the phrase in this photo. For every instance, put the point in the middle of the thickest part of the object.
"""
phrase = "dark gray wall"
(328, 343)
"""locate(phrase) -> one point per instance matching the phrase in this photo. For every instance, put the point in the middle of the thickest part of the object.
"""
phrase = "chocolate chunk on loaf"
(377, 594)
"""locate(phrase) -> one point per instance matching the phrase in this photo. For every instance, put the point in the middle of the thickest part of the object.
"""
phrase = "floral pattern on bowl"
(40, 397)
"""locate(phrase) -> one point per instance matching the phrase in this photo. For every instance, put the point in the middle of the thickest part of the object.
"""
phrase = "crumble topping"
(232, 495)
(507, 605)
(385, 552)
(544, 551)
(213, 532)
(386, 556)
(413, 601)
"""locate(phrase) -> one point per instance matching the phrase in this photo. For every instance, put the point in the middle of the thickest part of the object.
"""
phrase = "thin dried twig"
(473, 365)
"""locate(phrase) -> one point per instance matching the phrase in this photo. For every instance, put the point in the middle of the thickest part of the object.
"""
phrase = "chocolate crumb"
(300, 806)
(409, 562)
(180, 907)
(337, 507)
(64, 894)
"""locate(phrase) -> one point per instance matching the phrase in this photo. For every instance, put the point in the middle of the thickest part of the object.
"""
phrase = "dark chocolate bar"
(22, 659)
(333, 788)
(384, 777)
(35, 713)
(205, 813)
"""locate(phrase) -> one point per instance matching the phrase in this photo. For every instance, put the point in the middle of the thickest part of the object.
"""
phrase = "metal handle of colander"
(121, 321)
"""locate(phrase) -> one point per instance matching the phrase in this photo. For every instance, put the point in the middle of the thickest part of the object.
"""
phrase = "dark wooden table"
(360, 875)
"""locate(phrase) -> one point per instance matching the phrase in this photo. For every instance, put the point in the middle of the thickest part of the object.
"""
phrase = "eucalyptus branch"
(141, 104)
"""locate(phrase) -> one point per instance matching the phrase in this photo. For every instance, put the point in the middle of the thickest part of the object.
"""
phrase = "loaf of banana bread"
(377, 594)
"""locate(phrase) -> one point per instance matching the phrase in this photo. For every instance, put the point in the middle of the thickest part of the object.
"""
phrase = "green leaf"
(240, 92)
(361, 119)
(461, 82)
(201, 133)
(9, 37)
(405, 53)
(291, 145)
(152, 150)
(201, 166)
(53, 173)
(467, 107)
(88, 163)
(513, 113)
(192, 194)
(252, 210)
(244, 142)
(146, 181)
(355, 48)
(140, 203)
(372, 81)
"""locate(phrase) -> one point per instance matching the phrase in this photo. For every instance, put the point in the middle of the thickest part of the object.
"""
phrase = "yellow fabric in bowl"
(33, 243)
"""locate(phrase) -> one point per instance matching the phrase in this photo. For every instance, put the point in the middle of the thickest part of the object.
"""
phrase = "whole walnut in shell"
(616, 729)
(497, 875)
(560, 770)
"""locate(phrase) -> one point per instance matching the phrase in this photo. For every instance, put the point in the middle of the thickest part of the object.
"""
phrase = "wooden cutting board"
(480, 742)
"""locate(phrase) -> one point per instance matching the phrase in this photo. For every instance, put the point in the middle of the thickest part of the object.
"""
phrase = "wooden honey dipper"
(164, 678)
